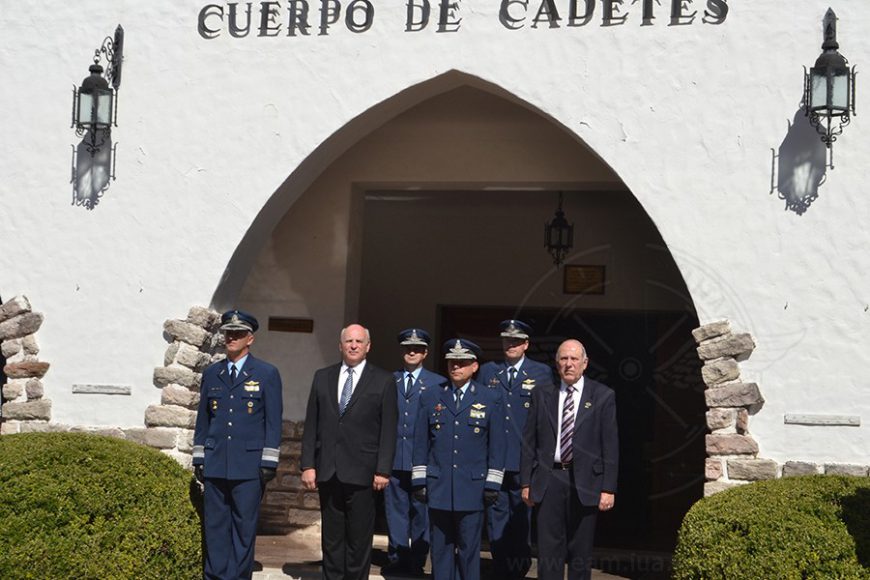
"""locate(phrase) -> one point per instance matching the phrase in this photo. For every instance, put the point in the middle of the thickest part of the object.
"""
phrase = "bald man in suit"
(568, 467)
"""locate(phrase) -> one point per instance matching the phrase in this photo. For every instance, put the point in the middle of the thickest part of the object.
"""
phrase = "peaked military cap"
(515, 329)
(414, 336)
(460, 349)
(239, 320)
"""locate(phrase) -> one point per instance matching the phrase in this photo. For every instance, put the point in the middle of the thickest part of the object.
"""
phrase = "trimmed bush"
(74, 505)
(815, 527)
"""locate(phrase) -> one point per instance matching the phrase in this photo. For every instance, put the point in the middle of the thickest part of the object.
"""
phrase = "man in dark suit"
(347, 452)
(569, 463)
(407, 517)
(509, 518)
(235, 447)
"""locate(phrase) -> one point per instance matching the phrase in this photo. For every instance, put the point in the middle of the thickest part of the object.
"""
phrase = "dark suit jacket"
(595, 443)
(359, 444)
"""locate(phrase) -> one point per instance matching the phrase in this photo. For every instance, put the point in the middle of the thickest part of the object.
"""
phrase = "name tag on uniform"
(477, 411)
(252, 386)
(529, 384)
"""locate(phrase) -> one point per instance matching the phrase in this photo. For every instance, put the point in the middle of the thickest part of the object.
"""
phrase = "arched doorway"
(419, 221)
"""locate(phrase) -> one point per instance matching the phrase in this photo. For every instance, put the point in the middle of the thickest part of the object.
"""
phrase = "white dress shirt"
(342, 377)
(563, 392)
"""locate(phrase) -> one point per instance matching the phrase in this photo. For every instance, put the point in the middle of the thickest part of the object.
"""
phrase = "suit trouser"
(455, 544)
(231, 511)
(508, 524)
(348, 513)
(407, 521)
(566, 529)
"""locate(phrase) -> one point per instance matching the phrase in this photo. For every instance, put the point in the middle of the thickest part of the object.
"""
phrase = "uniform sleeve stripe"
(270, 454)
(495, 476)
(199, 451)
(418, 472)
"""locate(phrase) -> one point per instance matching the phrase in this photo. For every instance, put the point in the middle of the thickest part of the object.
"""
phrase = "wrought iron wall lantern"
(95, 102)
(559, 235)
(829, 88)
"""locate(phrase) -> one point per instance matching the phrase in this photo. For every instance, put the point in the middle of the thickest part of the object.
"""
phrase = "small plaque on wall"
(583, 279)
(285, 324)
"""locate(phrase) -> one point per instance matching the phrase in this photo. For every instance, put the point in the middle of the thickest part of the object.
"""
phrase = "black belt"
(563, 466)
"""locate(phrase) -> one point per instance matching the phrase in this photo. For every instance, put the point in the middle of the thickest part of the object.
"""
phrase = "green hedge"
(81, 506)
(815, 527)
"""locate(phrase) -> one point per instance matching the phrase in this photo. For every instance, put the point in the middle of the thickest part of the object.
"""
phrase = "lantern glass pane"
(840, 94)
(86, 104)
(104, 108)
(818, 90)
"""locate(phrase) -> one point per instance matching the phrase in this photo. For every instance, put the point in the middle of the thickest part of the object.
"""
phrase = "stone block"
(13, 389)
(291, 448)
(13, 307)
(712, 487)
(34, 389)
(20, 326)
(164, 376)
(751, 469)
(35, 427)
(795, 468)
(186, 332)
(191, 357)
(29, 344)
(171, 351)
(738, 346)
(844, 469)
(185, 441)
(735, 395)
(720, 371)
(309, 500)
(718, 419)
(711, 330)
(10, 427)
(731, 444)
(28, 411)
(27, 369)
(10, 348)
(183, 459)
(177, 395)
(713, 469)
(742, 421)
(169, 416)
(160, 438)
(203, 317)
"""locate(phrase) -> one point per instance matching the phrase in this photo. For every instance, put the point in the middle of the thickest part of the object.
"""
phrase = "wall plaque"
(583, 279)
(286, 324)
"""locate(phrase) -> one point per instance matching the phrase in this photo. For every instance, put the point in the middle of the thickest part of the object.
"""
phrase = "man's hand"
(380, 482)
(606, 501)
(490, 496)
(309, 479)
(420, 494)
(198, 474)
(527, 496)
(267, 474)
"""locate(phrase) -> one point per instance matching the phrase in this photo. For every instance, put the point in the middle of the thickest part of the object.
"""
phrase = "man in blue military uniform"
(458, 467)
(509, 518)
(235, 447)
(407, 520)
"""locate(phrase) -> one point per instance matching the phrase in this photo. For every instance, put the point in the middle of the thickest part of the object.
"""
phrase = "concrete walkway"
(298, 555)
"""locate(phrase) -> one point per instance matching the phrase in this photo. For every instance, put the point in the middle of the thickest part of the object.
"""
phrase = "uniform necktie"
(345, 392)
(566, 444)
(409, 384)
(233, 373)
(458, 397)
(513, 378)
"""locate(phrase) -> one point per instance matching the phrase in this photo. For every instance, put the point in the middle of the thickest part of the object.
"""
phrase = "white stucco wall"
(208, 130)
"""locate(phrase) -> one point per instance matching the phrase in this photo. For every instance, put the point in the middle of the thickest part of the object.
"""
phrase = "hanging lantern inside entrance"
(559, 235)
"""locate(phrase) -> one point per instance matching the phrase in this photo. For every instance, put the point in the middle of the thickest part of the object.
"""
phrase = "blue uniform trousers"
(456, 544)
(509, 525)
(407, 521)
(231, 510)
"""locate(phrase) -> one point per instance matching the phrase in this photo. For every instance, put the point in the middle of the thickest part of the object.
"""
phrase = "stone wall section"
(23, 392)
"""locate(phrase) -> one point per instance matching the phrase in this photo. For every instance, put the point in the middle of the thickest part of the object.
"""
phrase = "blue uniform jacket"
(532, 374)
(238, 426)
(408, 404)
(459, 453)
